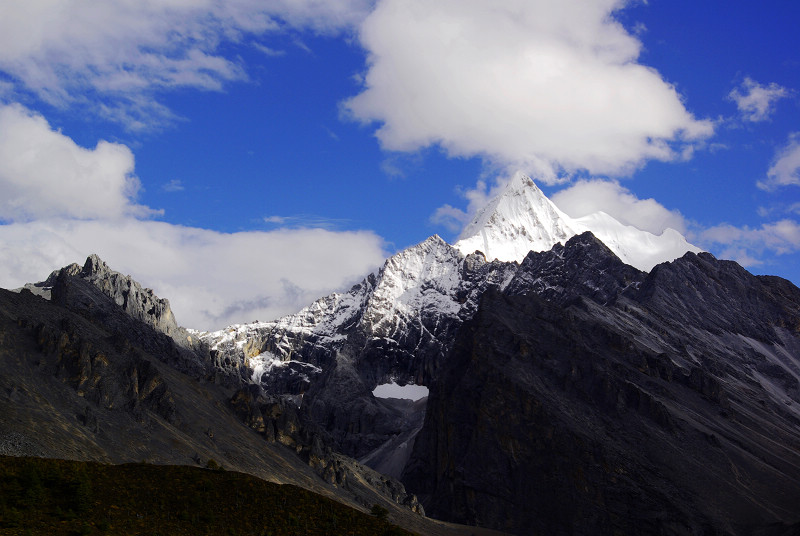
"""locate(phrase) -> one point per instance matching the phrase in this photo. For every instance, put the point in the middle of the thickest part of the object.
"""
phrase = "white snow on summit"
(422, 277)
(522, 219)
(519, 220)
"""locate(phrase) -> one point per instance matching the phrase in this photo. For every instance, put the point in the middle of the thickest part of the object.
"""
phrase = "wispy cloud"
(748, 245)
(175, 185)
(331, 134)
(306, 221)
(268, 51)
(756, 102)
(299, 43)
(785, 170)
(124, 54)
(451, 218)
(392, 168)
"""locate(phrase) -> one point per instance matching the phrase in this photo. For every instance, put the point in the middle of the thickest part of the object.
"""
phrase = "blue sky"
(243, 158)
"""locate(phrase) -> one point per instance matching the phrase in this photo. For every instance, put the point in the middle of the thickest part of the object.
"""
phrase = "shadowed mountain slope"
(588, 400)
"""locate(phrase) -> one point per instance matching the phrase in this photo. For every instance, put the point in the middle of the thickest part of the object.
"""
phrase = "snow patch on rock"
(392, 390)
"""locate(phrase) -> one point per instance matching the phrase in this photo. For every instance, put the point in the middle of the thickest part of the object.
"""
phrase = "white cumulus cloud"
(755, 101)
(44, 173)
(547, 87)
(62, 202)
(212, 279)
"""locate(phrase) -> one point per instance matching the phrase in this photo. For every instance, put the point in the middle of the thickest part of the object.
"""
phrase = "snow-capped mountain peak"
(519, 220)
(522, 219)
(412, 306)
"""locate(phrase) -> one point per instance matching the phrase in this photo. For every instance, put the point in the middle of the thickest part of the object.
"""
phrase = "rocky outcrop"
(138, 302)
(113, 299)
(129, 381)
(587, 399)
(277, 418)
(582, 268)
(96, 299)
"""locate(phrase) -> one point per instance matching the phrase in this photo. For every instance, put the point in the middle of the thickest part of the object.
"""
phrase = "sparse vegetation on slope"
(45, 496)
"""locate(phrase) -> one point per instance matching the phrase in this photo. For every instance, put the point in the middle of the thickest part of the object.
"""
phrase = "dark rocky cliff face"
(586, 401)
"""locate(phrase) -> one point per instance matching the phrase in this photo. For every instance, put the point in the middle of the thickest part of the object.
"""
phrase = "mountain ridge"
(546, 374)
(431, 279)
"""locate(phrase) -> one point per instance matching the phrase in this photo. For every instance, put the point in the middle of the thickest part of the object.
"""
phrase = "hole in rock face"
(392, 390)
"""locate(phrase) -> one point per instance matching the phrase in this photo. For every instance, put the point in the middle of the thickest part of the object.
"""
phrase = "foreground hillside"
(46, 496)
